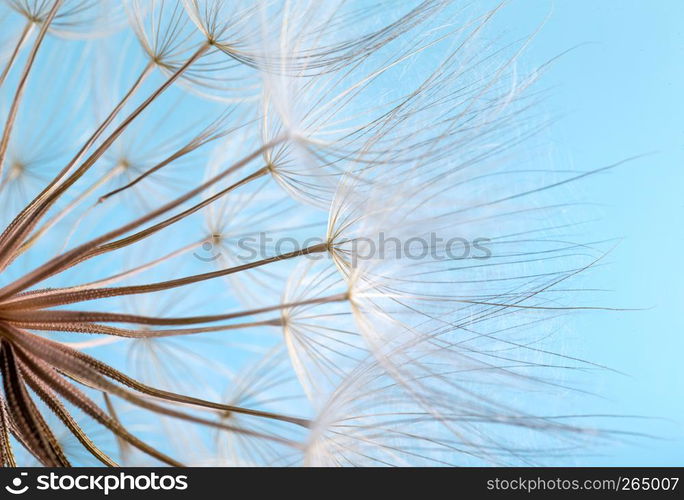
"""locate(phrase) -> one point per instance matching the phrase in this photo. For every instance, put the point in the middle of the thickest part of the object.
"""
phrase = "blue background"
(616, 94)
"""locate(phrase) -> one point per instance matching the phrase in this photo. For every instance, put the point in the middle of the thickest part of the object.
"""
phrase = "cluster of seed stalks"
(141, 134)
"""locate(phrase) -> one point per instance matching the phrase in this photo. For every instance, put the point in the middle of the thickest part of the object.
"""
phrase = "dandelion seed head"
(320, 335)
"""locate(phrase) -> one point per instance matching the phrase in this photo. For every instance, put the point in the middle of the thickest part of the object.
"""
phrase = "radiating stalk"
(61, 298)
(29, 218)
(76, 255)
(68, 209)
(26, 32)
(61, 316)
(23, 80)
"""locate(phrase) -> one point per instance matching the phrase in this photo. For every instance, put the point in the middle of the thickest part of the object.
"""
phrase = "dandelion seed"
(128, 308)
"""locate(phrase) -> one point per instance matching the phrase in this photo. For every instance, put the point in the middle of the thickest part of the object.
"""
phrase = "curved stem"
(60, 297)
(116, 245)
(74, 256)
(26, 32)
(23, 223)
(48, 396)
(93, 373)
(61, 316)
(23, 80)
(96, 329)
(68, 209)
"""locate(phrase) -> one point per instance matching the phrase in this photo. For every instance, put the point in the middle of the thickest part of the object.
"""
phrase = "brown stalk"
(116, 245)
(79, 399)
(23, 80)
(93, 328)
(26, 32)
(124, 447)
(26, 213)
(6, 454)
(67, 210)
(141, 268)
(76, 255)
(59, 297)
(50, 399)
(206, 136)
(197, 142)
(30, 217)
(29, 422)
(90, 371)
(71, 317)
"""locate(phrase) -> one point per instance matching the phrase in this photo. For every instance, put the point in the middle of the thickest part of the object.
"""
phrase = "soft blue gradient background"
(620, 93)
